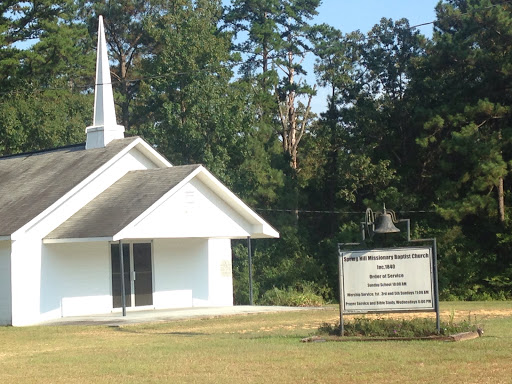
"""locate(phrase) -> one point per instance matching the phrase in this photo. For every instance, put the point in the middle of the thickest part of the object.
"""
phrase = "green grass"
(263, 348)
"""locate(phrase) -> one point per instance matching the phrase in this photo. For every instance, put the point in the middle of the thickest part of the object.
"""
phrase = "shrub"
(420, 327)
(306, 295)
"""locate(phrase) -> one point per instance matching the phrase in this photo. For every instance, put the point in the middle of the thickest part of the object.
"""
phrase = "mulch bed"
(456, 337)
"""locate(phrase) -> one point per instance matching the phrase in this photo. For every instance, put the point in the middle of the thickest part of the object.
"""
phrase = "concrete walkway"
(164, 315)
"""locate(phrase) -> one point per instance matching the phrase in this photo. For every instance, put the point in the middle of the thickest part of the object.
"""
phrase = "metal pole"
(249, 252)
(123, 293)
(408, 226)
(340, 273)
(436, 287)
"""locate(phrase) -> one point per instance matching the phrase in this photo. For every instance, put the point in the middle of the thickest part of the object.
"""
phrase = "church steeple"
(104, 128)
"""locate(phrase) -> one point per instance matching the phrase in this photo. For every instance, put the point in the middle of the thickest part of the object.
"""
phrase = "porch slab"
(164, 315)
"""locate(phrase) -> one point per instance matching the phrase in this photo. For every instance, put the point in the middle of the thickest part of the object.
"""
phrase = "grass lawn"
(262, 348)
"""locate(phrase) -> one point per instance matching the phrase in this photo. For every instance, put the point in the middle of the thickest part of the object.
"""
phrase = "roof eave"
(264, 231)
(262, 228)
(152, 153)
(77, 240)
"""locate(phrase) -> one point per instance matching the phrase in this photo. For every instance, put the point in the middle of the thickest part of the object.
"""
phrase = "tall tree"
(46, 66)
(368, 125)
(469, 127)
(255, 25)
(276, 42)
(294, 115)
(41, 40)
(465, 81)
(193, 113)
(127, 23)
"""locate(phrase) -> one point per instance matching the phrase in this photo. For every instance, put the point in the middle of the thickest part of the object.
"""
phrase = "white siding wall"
(193, 211)
(180, 273)
(25, 280)
(192, 273)
(220, 272)
(57, 280)
(76, 279)
(5, 282)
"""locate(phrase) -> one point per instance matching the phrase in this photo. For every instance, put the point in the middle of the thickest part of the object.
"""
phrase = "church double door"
(138, 274)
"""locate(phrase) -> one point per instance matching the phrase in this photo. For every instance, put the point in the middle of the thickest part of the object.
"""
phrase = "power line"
(421, 25)
(463, 13)
(114, 82)
(295, 211)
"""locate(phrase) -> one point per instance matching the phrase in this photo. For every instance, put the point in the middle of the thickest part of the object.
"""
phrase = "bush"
(476, 292)
(306, 295)
(395, 328)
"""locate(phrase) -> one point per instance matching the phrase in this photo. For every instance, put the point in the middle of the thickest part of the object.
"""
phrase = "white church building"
(68, 214)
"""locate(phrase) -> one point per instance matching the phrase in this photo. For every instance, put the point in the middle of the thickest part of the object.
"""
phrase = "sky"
(351, 15)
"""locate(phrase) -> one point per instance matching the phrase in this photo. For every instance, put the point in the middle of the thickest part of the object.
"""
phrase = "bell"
(384, 224)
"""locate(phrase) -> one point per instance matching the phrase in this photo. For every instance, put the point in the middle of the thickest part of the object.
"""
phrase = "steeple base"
(100, 136)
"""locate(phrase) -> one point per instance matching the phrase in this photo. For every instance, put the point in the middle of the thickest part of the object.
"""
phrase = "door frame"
(132, 306)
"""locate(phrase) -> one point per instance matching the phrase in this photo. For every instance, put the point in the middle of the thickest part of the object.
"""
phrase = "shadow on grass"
(152, 332)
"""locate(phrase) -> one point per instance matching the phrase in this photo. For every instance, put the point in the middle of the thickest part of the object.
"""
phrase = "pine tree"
(46, 71)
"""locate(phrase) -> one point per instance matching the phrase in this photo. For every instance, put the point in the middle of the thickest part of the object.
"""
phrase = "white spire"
(104, 128)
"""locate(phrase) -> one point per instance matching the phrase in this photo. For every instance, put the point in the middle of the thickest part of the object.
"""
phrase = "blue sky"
(350, 15)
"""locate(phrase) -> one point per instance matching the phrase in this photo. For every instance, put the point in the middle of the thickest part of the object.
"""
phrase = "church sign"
(386, 280)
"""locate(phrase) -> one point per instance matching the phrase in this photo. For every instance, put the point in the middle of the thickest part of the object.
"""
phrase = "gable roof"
(31, 183)
(137, 194)
(122, 203)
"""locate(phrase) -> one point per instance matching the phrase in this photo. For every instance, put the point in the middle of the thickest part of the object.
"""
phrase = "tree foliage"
(467, 132)
(423, 125)
(275, 46)
(44, 88)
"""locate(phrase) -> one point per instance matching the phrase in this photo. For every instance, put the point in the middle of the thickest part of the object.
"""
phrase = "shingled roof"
(121, 203)
(30, 183)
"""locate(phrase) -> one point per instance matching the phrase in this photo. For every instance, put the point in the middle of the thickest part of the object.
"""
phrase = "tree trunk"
(501, 193)
(292, 118)
(265, 53)
(501, 200)
(124, 90)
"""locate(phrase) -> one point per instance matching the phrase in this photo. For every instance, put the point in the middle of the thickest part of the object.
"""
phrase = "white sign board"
(386, 280)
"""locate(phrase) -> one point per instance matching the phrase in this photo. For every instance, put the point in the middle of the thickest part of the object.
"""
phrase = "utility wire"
(113, 82)
(329, 212)
(463, 13)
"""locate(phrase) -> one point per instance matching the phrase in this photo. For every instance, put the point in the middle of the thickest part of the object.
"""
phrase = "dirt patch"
(476, 317)
(456, 315)
(457, 337)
